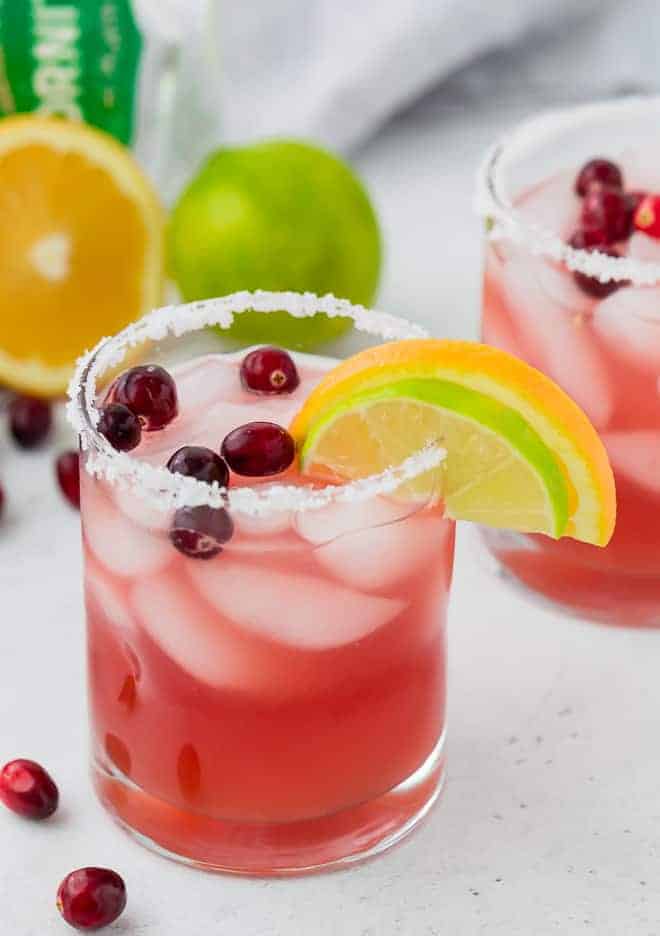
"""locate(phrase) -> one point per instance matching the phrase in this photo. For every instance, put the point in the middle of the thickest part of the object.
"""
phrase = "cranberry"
(27, 789)
(149, 392)
(67, 468)
(200, 532)
(91, 898)
(258, 449)
(2, 500)
(30, 420)
(195, 461)
(593, 286)
(120, 427)
(584, 238)
(647, 216)
(598, 170)
(269, 370)
(605, 210)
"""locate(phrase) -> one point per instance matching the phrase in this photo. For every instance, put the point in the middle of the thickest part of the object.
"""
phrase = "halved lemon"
(81, 247)
(521, 455)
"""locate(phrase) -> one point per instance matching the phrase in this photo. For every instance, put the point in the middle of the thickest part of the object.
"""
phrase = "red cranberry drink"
(267, 668)
(572, 285)
(268, 555)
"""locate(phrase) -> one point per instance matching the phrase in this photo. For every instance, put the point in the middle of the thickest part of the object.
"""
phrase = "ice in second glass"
(281, 705)
(598, 338)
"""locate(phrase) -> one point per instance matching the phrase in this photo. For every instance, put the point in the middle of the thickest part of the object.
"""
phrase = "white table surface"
(550, 821)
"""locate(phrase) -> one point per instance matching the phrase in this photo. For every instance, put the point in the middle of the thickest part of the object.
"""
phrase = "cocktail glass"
(592, 323)
(279, 707)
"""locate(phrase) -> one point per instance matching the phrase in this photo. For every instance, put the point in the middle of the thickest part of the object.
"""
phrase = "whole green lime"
(281, 215)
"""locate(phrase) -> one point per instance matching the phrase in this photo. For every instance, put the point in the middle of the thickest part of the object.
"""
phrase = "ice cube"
(121, 546)
(192, 635)
(383, 557)
(635, 455)
(327, 523)
(552, 205)
(206, 380)
(108, 598)
(212, 426)
(139, 511)
(269, 524)
(289, 607)
(629, 320)
(551, 315)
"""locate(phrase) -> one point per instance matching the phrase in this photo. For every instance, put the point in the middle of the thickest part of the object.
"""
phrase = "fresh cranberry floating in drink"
(91, 898)
(149, 392)
(30, 420)
(67, 469)
(200, 532)
(591, 284)
(605, 212)
(258, 450)
(598, 171)
(269, 370)
(647, 216)
(120, 427)
(27, 789)
(196, 461)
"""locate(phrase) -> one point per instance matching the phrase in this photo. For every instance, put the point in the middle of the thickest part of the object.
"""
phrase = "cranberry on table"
(200, 532)
(196, 461)
(30, 420)
(647, 216)
(120, 427)
(601, 171)
(258, 449)
(27, 789)
(90, 898)
(606, 213)
(149, 392)
(67, 469)
(592, 285)
(269, 370)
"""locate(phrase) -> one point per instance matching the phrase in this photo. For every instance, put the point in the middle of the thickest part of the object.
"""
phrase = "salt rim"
(505, 222)
(164, 490)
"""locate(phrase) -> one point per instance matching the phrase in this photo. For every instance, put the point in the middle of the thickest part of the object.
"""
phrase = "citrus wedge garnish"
(521, 455)
(81, 247)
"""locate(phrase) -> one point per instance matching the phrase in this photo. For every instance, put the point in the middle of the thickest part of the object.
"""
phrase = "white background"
(550, 822)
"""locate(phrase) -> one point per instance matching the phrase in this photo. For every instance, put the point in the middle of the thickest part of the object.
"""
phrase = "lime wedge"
(498, 470)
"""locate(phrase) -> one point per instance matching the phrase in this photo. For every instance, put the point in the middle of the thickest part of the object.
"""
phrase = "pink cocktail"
(278, 704)
(572, 285)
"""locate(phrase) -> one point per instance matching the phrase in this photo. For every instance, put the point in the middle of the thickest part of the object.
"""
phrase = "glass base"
(272, 849)
(596, 595)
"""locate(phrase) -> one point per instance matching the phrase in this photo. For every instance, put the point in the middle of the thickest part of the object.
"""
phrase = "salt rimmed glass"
(279, 707)
(603, 350)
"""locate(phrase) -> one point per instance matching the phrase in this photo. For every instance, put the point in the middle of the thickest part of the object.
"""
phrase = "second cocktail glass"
(590, 319)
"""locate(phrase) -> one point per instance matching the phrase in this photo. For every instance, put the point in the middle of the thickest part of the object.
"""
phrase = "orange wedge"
(81, 247)
(520, 454)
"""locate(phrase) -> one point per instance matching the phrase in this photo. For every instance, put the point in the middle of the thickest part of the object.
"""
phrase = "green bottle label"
(76, 58)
